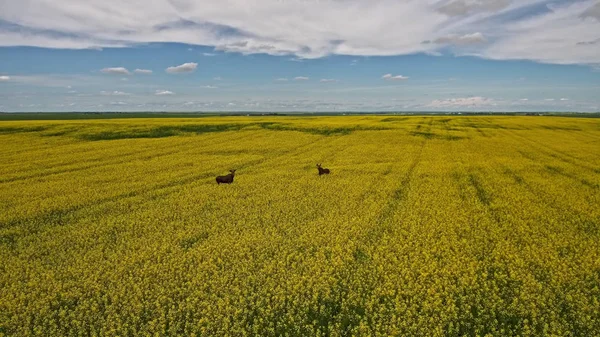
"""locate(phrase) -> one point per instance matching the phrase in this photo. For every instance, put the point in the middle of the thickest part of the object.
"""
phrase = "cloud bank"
(184, 68)
(461, 102)
(391, 77)
(540, 30)
(115, 71)
(113, 93)
(461, 40)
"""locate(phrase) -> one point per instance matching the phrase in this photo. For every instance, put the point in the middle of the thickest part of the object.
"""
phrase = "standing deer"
(228, 179)
(322, 171)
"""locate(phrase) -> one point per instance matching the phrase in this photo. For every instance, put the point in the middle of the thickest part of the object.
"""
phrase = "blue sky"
(300, 55)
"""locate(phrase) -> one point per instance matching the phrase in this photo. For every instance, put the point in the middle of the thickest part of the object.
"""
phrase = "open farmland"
(426, 226)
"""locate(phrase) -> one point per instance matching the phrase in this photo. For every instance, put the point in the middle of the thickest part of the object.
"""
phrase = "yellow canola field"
(426, 226)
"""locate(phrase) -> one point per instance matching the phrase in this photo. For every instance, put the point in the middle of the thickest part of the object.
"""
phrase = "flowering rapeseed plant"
(427, 226)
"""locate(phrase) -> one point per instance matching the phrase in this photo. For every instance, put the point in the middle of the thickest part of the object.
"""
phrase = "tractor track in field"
(124, 159)
(57, 217)
(48, 216)
(556, 154)
(473, 179)
(547, 199)
(398, 195)
(145, 155)
(556, 170)
(360, 255)
(483, 195)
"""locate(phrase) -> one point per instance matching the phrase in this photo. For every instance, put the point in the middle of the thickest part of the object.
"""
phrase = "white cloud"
(301, 78)
(142, 71)
(218, 78)
(540, 30)
(433, 53)
(209, 54)
(209, 87)
(524, 99)
(4, 78)
(463, 7)
(282, 79)
(592, 12)
(328, 80)
(57, 81)
(163, 93)
(549, 100)
(115, 71)
(461, 102)
(183, 68)
(588, 43)
(560, 36)
(391, 77)
(564, 99)
(114, 93)
(461, 40)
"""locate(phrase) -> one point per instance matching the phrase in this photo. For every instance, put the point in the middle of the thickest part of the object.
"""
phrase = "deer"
(228, 179)
(322, 171)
